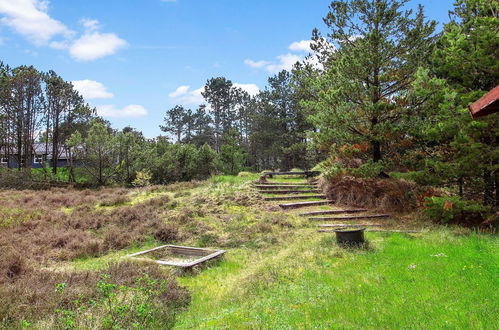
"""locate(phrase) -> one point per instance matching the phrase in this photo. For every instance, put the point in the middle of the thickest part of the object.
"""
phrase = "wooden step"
(265, 186)
(287, 191)
(353, 217)
(306, 173)
(341, 225)
(377, 231)
(284, 183)
(283, 198)
(394, 231)
(304, 204)
(332, 212)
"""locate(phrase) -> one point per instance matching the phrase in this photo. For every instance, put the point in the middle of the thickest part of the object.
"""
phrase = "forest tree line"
(382, 94)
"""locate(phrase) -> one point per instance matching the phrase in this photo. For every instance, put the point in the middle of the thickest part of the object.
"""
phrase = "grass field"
(278, 272)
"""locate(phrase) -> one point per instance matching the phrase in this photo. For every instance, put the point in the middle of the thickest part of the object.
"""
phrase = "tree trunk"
(55, 143)
(488, 188)
(376, 148)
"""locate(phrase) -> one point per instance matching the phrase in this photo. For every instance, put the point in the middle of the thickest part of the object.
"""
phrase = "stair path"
(332, 212)
(288, 197)
(353, 217)
(296, 191)
(346, 225)
(288, 191)
(304, 204)
(286, 186)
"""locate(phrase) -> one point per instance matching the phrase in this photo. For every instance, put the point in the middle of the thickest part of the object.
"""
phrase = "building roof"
(39, 149)
(486, 105)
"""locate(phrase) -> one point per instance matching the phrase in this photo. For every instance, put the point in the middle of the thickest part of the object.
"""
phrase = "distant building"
(486, 105)
(39, 158)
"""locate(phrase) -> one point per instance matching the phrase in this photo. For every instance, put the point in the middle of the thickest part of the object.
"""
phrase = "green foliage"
(453, 209)
(423, 177)
(457, 150)
(97, 152)
(278, 126)
(142, 179)
(232, 155)
(331, 169)
(368, 170)
(370, 57)
(177, 162)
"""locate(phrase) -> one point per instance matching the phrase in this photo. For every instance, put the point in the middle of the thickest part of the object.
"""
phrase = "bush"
(368, 170)
(331, 169)
(455, 210)
(383, 194)
(142, 179)
(423, 178)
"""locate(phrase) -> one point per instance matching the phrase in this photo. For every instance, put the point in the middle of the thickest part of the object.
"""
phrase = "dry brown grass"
(64, 224)
(31, 293)
(50, 227)
(382, 194)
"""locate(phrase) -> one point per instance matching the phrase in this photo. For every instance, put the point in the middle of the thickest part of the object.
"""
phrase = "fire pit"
(350, 236)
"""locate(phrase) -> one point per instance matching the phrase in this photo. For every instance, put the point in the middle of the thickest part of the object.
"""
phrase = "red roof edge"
(486, 105)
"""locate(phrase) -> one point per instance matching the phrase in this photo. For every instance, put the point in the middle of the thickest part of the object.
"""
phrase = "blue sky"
(134, 59)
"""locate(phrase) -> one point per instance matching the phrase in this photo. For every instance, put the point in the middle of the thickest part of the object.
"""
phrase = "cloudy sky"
(133, 59)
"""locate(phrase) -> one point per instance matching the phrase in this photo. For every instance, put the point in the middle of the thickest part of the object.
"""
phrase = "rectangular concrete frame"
(183, 250)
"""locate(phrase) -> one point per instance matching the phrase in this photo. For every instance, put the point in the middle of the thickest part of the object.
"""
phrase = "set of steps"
(284, 191)
(334, 218)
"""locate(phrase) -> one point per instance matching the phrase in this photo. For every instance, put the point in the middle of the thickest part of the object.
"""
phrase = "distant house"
(486, 105)
(41, 155)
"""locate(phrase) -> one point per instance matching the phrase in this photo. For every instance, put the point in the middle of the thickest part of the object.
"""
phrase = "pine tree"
(370, 56)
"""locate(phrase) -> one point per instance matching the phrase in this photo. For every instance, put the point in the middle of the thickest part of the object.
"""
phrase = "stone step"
(332, 212)
(283, 198)
(304, 204)
(287, 191)
(353, 217)
(265, 186)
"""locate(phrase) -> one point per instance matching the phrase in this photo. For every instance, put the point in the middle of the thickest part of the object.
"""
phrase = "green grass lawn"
(434, 280)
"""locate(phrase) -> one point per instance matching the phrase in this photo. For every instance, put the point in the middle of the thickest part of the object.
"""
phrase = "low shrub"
(452, 209)
(142, 179)
(424, 177)
(382, 194)
(129, 294)
(115, 201)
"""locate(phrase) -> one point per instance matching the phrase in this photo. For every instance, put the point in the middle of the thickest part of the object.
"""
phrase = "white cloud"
(256, 64)
(251, 89)
(287, 61)
(90, 24)
(91, 89)
(94, 45)
(30, 19)
(183, 95)
(130, 111)
(301, 46)
(181, 90)
(284, 62)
